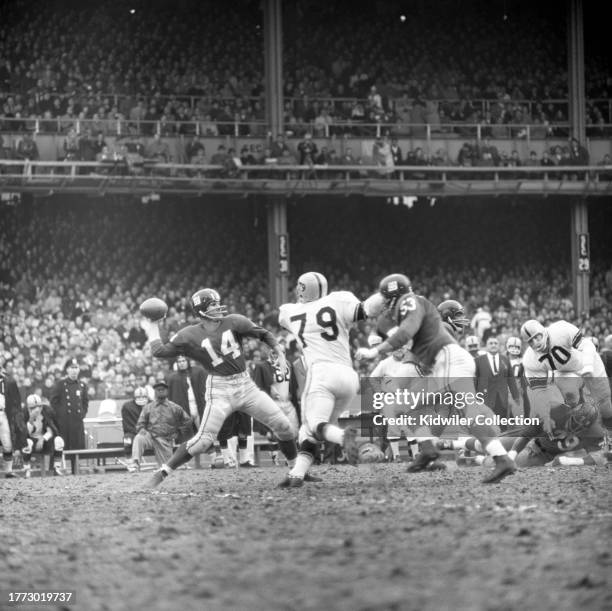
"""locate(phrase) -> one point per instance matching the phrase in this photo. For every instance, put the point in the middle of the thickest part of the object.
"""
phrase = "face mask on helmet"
(452, 312)
(471, 343)
(392, 287)
(513, 346)
(310, 287)
(535, 335)
(206, 303)
(140, 396)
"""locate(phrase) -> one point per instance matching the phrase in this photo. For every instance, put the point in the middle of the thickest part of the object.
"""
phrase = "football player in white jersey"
(561, 347)
(321, 323)
(399, 365)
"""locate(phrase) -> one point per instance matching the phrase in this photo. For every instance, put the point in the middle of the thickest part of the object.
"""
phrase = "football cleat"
(247, 464)
(312, 478)
(291, 482)
(350, 447)
(436, 465)
(157, 478)
(10, 475)
(424, 458)
(58, 471)
(504, 466)
(133, 466)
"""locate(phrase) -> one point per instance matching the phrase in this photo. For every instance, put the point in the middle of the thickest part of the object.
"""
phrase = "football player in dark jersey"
(216, 343)
(449, 369)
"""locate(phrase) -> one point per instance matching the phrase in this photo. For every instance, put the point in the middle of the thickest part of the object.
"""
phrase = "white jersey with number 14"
(322, 326)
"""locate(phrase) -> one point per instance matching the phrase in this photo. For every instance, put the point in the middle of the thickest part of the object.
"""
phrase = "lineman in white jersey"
(397, 367)
(321, 323)
(561, 348)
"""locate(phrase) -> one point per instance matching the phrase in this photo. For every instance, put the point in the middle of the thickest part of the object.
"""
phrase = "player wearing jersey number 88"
(215, 342)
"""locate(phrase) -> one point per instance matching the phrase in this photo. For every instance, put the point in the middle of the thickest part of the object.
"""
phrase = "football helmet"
(140, 396)
(471, 343)
(392, 287)
(452, 312)
(33, 401)
(574, 420)
(310, 287)
(514, 346)
(370, 453)
(206, 303)
(534, 333)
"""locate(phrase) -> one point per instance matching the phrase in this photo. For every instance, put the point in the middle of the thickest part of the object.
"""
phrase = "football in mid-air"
(153, 308)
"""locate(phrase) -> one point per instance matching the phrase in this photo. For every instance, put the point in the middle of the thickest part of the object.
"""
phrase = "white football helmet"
(514, 346)
(534, 333)
(370, 452)
(140, 396)
(33, 401)
(471, 343)
(310, 287)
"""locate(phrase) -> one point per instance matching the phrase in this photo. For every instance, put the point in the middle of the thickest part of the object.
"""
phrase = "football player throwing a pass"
(215, 343)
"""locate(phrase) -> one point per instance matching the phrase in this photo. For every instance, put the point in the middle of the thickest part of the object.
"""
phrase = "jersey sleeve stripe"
(577, 339)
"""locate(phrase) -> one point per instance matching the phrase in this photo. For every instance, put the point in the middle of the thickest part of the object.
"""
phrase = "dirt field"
(368, 538)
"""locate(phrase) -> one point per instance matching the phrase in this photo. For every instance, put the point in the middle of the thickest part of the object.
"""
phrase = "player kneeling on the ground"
(43, 436)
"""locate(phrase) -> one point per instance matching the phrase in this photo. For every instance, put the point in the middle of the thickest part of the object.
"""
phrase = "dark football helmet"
(206, 303)
(452, 313)
(392, 287)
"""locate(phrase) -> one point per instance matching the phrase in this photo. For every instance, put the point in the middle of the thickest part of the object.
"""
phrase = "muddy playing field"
(368, 538)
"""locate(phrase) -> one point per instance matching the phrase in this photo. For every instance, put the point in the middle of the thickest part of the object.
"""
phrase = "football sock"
(302, 464)
(460, 444)
(180, 457)
(395, 451)
(495, 448)
(474, 445)
(289, 449)
(331, 432)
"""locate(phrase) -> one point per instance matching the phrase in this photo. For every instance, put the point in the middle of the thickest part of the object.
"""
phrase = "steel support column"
(577, 117)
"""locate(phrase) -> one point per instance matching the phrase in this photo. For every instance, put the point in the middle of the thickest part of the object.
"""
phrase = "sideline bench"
(100, 454)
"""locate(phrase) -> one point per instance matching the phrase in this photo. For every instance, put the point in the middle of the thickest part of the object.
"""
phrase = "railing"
(337, 128)
(149, 177)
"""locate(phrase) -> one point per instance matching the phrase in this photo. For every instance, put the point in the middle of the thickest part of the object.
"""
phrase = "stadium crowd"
(146, 64)
(73, 273)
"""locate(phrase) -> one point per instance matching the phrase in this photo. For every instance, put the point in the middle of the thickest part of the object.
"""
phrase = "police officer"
(70, 402)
